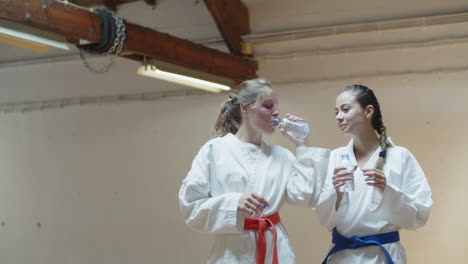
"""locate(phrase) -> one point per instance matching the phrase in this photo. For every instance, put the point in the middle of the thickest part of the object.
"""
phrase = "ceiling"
(31, 76)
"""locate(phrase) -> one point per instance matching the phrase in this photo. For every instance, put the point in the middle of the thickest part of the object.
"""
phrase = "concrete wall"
(98, 184)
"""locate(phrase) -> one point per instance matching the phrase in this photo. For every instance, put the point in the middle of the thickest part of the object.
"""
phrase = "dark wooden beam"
(76, 23)
(161, 46)
(66, 20)
(112, 4)
(232, 19)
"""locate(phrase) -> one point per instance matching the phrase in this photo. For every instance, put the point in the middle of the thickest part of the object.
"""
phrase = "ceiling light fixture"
(150, 70)
(29, 41)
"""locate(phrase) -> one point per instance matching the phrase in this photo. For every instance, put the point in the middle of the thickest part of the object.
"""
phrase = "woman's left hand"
(297, 141)
(375, 177)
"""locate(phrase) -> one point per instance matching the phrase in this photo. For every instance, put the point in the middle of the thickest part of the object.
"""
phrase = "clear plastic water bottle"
(298, 129)
(345, 162)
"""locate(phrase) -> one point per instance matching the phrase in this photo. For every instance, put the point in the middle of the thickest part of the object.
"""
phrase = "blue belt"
(341, 242)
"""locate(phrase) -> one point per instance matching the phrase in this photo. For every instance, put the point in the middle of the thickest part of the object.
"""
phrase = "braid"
(365, 97)
(384, 145)
(377, 123)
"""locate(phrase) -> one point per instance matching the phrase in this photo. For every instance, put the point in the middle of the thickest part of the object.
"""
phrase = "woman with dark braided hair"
(238, 183)
(391, 190)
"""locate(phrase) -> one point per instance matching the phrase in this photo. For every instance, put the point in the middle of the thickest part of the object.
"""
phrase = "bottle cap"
(276, 121)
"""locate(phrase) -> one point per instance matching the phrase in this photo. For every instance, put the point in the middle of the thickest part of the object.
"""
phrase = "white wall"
(425, 115)
(102, 181)
(98, 184)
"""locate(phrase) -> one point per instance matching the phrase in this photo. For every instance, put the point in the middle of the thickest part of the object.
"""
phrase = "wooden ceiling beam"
(77, 23)
(232, 19)
(112, 4)
(161, 46)
(51, 16)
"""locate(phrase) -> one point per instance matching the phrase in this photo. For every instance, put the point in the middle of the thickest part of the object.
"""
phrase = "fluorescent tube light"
(28, 41)
(149, 70)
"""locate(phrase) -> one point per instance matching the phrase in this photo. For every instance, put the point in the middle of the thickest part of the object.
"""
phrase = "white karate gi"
(405, 203)
(224, 169)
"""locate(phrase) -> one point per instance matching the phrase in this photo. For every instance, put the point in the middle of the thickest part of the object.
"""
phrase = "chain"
(120, 39)
(114, 50)
(104, 69)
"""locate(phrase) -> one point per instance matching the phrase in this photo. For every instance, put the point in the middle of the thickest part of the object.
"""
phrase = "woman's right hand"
(297, 141)
(340, 177)
(252, 204)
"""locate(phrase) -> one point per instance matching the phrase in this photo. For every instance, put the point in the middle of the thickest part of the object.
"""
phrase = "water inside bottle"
(298, 129)
(349, 167)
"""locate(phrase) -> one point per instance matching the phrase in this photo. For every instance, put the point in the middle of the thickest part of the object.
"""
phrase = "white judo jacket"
(224, 169)
(405, 203)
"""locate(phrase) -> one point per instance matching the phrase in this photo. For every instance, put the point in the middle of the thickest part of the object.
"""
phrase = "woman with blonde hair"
(238, 183)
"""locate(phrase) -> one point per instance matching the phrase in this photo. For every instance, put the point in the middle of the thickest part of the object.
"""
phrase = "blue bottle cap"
(276, 121)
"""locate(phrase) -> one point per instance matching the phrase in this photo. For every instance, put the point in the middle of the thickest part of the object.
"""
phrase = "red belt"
(260, 225)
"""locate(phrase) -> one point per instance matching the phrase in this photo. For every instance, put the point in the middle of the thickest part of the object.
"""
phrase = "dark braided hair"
(365, 97)
(230, 117)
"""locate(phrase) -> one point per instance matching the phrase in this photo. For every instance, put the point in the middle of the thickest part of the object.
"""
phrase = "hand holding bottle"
(295, 128)
(341, 177)
(252, 204)
(349, 168)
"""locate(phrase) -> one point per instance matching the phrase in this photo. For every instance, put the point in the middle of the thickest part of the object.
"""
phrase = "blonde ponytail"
(230, 117)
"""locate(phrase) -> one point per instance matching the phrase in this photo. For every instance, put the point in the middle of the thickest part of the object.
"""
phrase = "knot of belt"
(260, 225)
(341, 242)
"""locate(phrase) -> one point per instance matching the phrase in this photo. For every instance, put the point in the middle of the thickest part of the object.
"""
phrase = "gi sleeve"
(307, 174)
(407, 206)
(199, 209)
